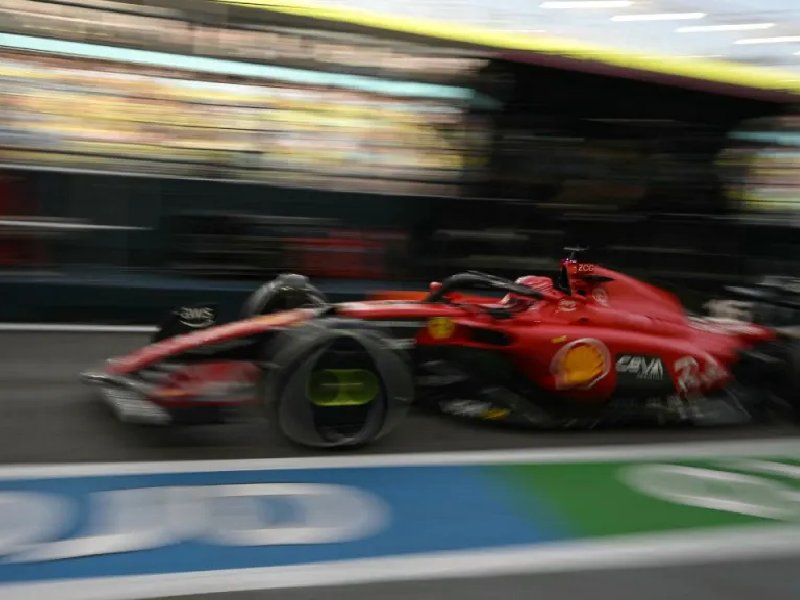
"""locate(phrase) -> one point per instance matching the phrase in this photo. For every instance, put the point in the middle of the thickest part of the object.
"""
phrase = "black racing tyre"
(285, 292)
(783, 382)
(772, 315)
(334, 383)
(792, 382)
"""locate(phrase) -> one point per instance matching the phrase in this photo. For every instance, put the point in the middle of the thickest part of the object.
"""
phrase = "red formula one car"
(588, 347)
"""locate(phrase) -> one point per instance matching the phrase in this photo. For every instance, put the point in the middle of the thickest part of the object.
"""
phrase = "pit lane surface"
(50, 417)
(765, 580)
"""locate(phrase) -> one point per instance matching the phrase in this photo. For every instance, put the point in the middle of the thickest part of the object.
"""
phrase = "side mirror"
(435, 286)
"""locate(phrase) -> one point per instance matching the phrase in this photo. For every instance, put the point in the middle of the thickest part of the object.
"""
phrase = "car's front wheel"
(331, 384)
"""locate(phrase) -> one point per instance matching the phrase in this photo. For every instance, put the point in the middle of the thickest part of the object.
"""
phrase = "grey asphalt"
(48, 416)
(754, 580)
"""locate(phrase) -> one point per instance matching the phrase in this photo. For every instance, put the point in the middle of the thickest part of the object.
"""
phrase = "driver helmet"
(535, 282)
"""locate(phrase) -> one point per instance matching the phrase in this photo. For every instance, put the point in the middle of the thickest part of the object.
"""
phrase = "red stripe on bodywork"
(223, 333)
(406, 296)
(376, 310)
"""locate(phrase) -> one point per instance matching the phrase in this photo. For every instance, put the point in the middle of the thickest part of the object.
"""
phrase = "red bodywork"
(574, 344)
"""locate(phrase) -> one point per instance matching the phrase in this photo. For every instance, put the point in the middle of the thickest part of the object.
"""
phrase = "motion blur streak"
(182, 153)
(389, 518)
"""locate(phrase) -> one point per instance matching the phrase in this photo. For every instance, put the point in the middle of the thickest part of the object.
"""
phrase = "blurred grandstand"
(155, 139)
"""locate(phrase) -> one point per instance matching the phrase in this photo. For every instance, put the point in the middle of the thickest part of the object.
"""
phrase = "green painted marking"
(342, 387)
(628, 497)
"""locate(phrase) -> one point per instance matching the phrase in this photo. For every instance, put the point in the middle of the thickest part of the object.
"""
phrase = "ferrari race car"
(586, 348)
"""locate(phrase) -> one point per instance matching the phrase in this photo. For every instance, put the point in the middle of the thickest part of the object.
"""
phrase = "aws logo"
(196, 317)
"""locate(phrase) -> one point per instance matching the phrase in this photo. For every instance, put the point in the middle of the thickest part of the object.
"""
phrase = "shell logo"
(441, 328)
(580, 364)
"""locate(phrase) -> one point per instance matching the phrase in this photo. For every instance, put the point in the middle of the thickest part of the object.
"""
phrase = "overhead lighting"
(660, 17)
(587, 4)
(784, 39)
(739, 27)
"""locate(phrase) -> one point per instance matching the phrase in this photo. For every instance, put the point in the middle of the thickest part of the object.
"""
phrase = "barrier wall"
(78, 246)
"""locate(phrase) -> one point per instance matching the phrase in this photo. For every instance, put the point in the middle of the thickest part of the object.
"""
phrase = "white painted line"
(767, 466)
(67, 225)
(635, 551)
(77, 328)
(787, 447)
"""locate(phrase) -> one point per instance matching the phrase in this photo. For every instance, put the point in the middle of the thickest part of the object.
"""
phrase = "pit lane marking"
(660, 550)
(74, 328)
(628, 551)
(789, 447)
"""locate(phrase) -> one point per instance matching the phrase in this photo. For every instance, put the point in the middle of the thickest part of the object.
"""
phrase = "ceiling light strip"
(587, 4)
(660, 17)
(731, 27)
(739, 76)
(784, 39)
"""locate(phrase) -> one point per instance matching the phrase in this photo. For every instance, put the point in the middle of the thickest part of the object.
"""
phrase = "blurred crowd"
(761, 167)
(78, 113)
(74, 112)
(145, 26)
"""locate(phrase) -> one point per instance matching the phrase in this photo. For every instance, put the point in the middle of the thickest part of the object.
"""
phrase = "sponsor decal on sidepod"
(580, 364)
(641, 367)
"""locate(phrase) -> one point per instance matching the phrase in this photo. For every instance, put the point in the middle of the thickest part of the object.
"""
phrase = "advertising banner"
(142, 530)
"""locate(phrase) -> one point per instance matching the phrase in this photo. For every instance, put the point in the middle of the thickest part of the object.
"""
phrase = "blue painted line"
(429, 509)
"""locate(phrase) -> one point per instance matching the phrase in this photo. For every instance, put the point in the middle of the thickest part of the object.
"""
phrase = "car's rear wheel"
(780, 381)
(791, 382)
